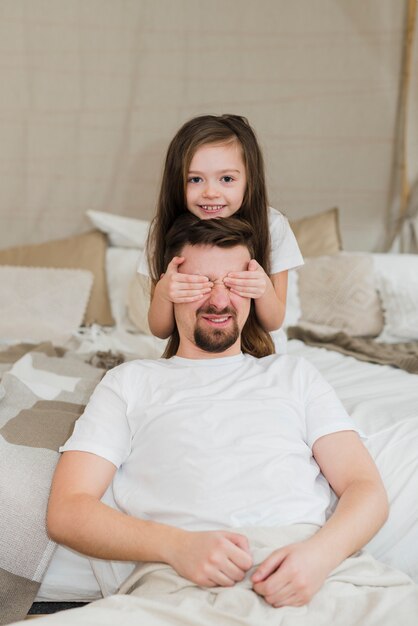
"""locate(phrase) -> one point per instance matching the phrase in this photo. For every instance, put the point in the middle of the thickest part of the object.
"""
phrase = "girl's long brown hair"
(223, 232)
(199, 131)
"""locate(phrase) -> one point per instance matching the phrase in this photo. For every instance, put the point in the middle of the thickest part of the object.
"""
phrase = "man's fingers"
(239, 540)
(270, 565)
(285, 599)
(219, 579)
(239, 552)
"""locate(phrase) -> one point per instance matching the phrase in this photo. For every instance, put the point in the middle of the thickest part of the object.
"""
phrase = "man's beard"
(216, 339)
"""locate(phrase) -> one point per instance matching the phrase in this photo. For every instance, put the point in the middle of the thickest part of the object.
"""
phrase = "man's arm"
(293, 574)
(78, 519)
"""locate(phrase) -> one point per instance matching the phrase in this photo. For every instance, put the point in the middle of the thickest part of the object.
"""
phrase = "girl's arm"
(161, 313)
(173, 287)
(269, 293)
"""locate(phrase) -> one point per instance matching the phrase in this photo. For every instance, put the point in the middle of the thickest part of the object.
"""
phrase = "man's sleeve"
(103, 428)
(324, 411)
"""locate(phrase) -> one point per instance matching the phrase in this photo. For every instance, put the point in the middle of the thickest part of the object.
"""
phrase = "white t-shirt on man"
(214, 443)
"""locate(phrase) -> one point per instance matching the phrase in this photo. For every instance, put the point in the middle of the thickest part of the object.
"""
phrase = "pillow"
(123, 232)
(318, 234)
(139, 296)
(41, 304)
(293, 312)
(339, 292)
(397, 282)
(86, 251)
(121, 264)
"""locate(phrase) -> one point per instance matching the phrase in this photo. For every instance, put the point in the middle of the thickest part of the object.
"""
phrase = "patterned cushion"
(338, 291)
(397, 283)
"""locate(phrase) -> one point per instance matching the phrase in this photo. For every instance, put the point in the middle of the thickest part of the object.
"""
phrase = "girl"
(214, 168)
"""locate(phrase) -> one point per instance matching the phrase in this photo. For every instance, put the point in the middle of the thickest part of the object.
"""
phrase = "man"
(205, 448)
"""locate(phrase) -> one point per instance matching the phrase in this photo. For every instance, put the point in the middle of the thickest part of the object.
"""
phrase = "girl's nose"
(211, 190)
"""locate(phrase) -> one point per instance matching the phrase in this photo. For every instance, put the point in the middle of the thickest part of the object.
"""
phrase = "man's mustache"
(212, 310)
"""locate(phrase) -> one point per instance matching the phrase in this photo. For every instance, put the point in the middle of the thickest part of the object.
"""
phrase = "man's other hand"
(291, 575)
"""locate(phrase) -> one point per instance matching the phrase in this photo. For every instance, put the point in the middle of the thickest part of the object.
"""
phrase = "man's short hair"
(223, 232)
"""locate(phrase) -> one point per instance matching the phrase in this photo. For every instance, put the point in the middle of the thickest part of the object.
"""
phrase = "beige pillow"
(86, 251)
(339, 292)
(139, 295)
(319, 234)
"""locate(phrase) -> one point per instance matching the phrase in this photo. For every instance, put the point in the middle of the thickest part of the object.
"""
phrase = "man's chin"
(215, 341)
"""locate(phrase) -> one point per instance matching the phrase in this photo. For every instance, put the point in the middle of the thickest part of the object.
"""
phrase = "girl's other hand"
(178, 288)
(249, 284)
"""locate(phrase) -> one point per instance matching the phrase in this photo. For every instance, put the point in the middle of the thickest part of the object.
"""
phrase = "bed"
(353, 315)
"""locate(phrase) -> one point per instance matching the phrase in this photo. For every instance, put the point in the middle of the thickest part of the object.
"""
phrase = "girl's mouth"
(211, 208)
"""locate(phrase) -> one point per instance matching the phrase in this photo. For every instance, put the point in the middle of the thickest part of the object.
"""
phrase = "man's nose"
(219, 296)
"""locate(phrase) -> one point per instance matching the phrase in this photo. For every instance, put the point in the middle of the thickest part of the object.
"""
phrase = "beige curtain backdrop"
(91, 92)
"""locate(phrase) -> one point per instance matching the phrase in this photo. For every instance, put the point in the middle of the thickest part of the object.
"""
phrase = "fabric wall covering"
(91, 92)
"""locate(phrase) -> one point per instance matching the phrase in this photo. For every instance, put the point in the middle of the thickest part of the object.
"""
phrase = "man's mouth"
(217, 320)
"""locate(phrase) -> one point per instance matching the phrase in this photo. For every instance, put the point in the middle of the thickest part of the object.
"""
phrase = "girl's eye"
(194, 179)
(227, 179)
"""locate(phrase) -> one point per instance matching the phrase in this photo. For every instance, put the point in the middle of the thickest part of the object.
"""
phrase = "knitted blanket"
(43, 391)
(402, 355)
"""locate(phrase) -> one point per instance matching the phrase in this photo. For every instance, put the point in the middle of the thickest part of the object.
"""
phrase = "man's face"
(212, 325)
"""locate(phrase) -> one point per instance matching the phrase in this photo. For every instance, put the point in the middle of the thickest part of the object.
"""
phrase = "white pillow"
(293, 310)
(397, 283)
(42, 304)
(121, 264)
(124, 232)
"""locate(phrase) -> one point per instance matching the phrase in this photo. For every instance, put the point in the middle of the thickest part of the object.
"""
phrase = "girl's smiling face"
(216, 180)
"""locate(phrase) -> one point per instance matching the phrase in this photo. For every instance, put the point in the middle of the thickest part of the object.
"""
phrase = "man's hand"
(291, 575)
(212, 558)
(177, 288)
(249, 284)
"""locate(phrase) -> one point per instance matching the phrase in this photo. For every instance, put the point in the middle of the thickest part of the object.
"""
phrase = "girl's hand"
(249, 284)
(291, 575)
(178, 288)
